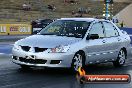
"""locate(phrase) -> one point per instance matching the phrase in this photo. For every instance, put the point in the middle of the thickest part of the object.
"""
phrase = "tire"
(120, 59)
(82, 80)
(24, 67)
(77, 61)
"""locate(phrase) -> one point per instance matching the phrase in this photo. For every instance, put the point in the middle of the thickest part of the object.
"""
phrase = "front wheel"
(78, 61)
(120, 59)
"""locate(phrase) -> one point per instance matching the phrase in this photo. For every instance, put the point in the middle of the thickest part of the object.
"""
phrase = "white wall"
(126, 16)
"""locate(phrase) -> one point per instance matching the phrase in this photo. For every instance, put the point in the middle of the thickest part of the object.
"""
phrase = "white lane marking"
(4, 54)
(90, 62)
(104, 53)
(89, 55)
(97, 54)
(6, 44)
(1, 53)
(97, 61)
(110, 52)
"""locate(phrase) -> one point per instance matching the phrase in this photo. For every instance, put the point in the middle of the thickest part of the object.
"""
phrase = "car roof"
(83, 19)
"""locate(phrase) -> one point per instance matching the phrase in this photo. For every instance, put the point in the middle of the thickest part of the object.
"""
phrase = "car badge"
(31, 57)
(32, 50)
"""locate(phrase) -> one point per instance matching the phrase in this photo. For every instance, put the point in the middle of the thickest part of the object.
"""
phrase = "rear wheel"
(78, 61)
(120, 59)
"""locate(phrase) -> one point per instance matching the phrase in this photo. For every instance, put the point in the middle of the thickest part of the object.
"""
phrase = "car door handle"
(103, 41)
(118, 39)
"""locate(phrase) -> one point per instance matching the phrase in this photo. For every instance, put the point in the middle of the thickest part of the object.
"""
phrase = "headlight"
(59, 49)
(16, 46)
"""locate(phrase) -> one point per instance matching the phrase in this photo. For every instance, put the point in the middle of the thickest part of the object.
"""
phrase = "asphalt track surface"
(12, 76)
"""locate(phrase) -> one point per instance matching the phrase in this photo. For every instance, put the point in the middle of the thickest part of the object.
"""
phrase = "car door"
(95, 47)
(112, 39)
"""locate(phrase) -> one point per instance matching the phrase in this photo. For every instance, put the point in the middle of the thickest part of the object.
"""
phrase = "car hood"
(47, 41)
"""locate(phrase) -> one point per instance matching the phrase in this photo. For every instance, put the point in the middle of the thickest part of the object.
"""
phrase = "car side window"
(97, 28)
(110, 30)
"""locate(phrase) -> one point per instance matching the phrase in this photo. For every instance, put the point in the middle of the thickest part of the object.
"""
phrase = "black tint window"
(69, 28)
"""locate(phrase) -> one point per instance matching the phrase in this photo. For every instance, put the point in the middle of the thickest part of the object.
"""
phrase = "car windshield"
(67, 28)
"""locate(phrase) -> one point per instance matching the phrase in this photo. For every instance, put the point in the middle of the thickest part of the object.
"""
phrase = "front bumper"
(64, 58)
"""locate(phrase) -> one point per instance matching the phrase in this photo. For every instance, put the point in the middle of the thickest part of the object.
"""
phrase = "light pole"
(107, 12)
(107, 9)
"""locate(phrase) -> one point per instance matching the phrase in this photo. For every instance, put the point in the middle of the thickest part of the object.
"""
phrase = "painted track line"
(5, 54)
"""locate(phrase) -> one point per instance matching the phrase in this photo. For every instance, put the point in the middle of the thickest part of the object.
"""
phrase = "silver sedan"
(73, 42)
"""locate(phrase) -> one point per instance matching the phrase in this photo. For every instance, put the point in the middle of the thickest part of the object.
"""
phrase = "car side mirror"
(92, 36)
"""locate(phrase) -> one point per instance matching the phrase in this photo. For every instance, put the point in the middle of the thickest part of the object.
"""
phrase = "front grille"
(25, 48)
(32, 61)
(55, 61)
(14, 57)
(37, 49)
